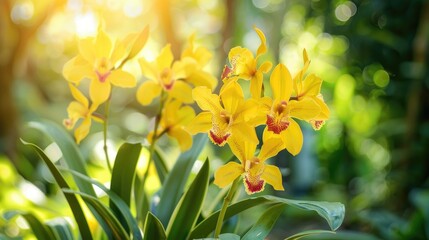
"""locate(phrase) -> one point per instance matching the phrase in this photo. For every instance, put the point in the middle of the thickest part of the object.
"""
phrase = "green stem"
(155, 137)
(226, 202)
(106, 112)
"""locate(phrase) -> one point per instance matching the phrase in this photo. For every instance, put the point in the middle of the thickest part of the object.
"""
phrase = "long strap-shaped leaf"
(333, 212)
(72, 157)
(118, 232)
(265, 223)
(40, 230)
(124, 171)
(176, 179)
(153, 228)
(123, 176)
(71, 154)
(160, 165)
(188, 209)
(71, 199)
(61, 228)
(122, 208)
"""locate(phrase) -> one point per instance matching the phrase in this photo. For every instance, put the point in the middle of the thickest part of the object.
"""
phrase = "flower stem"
(106, 112)
(226, 202)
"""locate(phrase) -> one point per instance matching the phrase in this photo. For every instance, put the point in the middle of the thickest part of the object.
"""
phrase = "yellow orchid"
(256, 172)
(80, 109)
(309, 87)
(225, 115)
(165, 76)
(244, 65)
(281, 111)
(194, 59)
(174, 118)
(97, 61)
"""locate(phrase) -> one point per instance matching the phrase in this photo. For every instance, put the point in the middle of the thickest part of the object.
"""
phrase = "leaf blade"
(188, 209)
(332, 212)
(72, 200)
(71, 154)
(265, 223)
(118, 232)
(153, 228)
(176, 179)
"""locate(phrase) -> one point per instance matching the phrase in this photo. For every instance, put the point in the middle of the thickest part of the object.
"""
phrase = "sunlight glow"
(22, 12)
(86, 24)
(133, 8)
(32, 193)
(345, 11)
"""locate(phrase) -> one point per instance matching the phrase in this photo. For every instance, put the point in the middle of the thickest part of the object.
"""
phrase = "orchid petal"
(281, 83)
(122, 79)
(227, 173)
(148, 91)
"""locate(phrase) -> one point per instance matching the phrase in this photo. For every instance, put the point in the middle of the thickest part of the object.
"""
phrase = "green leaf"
(265, 223)
(40, 230)
(340, 235)
(308, 233)
(124, 171)
(420, 198)
(153, 228)
(69, 149)
(71, 199)
(124, 213)
(62, 228)
(176, 180)
(161, 167)
(229, 236)
(118, 232)
(224, 236)
(189, 207)
(332, 212)
(123, 175)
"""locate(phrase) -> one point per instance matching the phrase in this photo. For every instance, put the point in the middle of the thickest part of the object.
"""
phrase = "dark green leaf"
(69, 149)
(176, 179)
(161, 167)
(308, 233)
(118, 232)
(62, 228)
(71, 199)
(123, 175)
(229, 236)
(123, 210)
(153, 228)
(341, 235)
(332, 212)
(124, 171)
(188, 209)
(40, 230)
(420, 198)
(224, 236)
(265, 223)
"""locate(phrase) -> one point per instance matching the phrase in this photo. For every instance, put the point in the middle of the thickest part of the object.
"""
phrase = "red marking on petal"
(68, 123)
(218, 139)
(102, 77)
(168, 86)
(253, 185)
(226, 72)
(276, 126)
(317, 124)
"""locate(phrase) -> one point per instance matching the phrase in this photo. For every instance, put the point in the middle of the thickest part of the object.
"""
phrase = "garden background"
(372, 154)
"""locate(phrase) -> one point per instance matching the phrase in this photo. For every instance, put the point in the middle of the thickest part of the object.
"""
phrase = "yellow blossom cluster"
(227, 117)
(230, 118)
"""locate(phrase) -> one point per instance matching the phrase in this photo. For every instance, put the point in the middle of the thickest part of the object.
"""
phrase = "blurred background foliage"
(372, 154)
